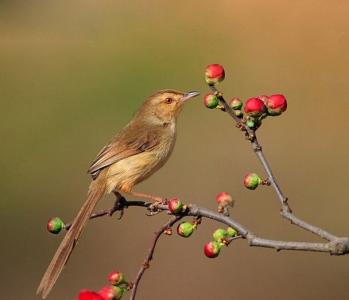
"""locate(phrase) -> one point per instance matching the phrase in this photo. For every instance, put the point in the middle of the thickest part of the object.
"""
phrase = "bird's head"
(164, 106)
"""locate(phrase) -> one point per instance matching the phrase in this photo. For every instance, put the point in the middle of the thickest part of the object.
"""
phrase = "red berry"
(89, 295)
(116, 278)
(111, 292)
(211, 101)
(276, 104)
(212, 249)
(175, 205)
(214, 73)
(254, 107)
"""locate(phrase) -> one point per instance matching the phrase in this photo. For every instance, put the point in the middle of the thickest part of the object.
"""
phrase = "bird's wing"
(124, 145)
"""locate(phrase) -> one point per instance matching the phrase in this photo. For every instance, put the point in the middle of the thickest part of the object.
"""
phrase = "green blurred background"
(73, 72)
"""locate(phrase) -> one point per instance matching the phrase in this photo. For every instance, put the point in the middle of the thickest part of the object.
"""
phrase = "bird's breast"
(136, 168)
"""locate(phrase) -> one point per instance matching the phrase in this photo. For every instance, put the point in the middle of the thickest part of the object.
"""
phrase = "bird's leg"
(118, 204)
(157, 201)
(147, 196)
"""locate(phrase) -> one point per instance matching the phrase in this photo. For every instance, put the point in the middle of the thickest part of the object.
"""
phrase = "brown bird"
(141, 148)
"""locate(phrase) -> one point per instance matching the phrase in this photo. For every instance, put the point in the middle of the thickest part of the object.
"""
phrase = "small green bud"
(231, 232)
(219, 235)
(185, 229)
(252, 181)
(55, 225)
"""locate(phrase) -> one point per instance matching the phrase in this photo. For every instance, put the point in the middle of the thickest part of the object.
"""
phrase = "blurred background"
(73, 72)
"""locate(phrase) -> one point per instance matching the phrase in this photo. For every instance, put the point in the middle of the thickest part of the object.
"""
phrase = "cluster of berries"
(254, 110)
(184, 229)
(221, 237)
(118, 287)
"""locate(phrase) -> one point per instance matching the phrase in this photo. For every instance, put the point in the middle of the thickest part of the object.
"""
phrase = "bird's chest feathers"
(167, 141)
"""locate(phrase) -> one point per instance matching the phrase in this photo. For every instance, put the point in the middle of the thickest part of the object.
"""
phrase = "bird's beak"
(189, 95)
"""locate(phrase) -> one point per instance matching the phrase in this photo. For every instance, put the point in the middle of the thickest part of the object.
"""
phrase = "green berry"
(185, 229)
(211, 101)
(55, 225)
(238, 113)
(250, 123)
(231, 232)
(252, 181)
(219, 235)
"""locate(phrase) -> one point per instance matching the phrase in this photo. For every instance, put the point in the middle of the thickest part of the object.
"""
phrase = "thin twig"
(150, 254)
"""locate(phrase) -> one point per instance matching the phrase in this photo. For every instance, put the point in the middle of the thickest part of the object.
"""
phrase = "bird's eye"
(168, 100)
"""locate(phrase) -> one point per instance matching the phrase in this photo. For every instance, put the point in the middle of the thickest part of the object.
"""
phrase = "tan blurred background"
(73, 72)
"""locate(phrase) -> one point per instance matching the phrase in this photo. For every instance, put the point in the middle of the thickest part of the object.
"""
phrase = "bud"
(185, 229)
(224, 198)
(276, 104)
(235, 103)
(231, 232)
(254, 107)
(116, 278)
(219, 235)
(55, 225)
(89, 295)
(175, 205)
(211, 101)
(212, 249)
(252, 180)
(214, 73)
(238, 113)
(111, 292)
(250, 123)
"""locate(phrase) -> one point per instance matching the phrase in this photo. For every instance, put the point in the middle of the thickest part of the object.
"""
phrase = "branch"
(150, 254)
(286, 210)
(336, 246)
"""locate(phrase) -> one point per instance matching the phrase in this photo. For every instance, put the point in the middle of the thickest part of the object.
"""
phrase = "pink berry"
(89, 295)
(111, 292)
(223, 198)
(212, 249)
(214, 73)
(235, 103)
(254, 107)
(276, 104)
(116, 278)
(175, 205)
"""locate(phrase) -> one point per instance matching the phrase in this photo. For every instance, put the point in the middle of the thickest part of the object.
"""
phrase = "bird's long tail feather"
(67, 245)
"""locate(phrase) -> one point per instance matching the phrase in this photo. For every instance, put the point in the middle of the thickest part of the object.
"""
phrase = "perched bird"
(141, 148)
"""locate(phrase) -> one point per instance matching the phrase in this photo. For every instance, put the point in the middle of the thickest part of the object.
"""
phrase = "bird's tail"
(66, 247)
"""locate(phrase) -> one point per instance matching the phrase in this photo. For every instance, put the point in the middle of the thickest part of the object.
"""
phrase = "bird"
(136, 152)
